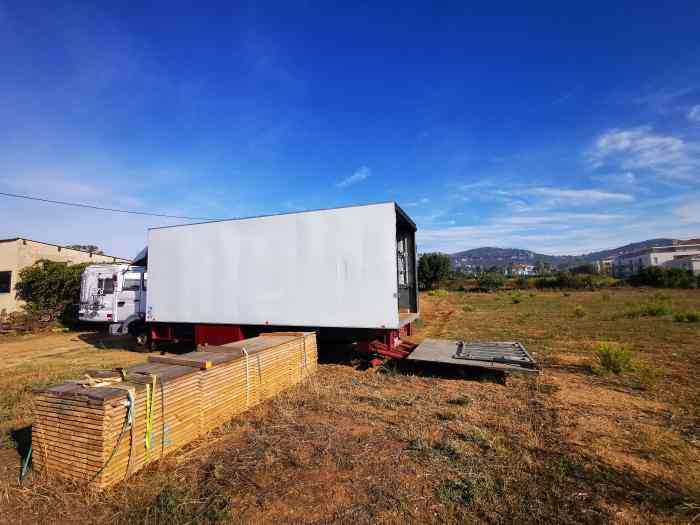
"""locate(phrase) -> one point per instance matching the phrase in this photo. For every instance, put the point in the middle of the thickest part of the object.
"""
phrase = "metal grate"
(511, 353)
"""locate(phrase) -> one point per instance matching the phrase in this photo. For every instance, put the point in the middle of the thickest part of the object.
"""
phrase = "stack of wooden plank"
(113, 423)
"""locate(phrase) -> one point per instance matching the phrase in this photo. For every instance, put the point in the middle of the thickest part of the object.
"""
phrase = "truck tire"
(137, 329)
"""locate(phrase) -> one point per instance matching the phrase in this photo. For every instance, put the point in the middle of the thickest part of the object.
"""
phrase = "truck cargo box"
(352, 267)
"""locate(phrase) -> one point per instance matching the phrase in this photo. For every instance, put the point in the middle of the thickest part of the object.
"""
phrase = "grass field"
(575, 445)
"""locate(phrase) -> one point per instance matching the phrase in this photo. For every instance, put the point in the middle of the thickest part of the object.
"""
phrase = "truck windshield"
(106, 284)
(132, 282)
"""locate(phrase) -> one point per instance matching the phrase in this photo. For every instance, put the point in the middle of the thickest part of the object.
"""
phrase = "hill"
(487, 257)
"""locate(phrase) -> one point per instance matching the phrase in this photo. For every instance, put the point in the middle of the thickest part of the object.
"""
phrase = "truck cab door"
(129, 297)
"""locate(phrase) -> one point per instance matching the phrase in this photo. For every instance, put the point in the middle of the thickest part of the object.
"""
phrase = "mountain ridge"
(487, 256)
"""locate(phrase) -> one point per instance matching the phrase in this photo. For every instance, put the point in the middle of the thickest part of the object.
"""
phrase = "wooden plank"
(202, 364)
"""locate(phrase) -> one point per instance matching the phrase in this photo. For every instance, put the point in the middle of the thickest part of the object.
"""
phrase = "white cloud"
(361, 174)
(689, 213)
(641, 148)
(527, 220)
(694, 113)
(579, 196)
(424, 200)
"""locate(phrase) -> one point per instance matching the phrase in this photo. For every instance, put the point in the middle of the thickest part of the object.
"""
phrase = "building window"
(5, 282)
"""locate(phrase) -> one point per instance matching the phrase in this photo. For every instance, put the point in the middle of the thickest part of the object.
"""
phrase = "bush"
(48, 288)
(516, 297)
(468, 308)
(524, 283)
(648, 310)
(612, 357)
(664, 278)
(491, 280)
(438, 293)
(565, 280)
(689, 317)
(579, 311)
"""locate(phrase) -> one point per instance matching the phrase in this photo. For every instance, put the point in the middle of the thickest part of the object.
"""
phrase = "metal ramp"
(502, 356)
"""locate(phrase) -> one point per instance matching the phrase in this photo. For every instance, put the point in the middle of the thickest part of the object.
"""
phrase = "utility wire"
(78, 205)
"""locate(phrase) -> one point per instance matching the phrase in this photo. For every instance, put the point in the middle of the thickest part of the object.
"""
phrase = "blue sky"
(558, 128)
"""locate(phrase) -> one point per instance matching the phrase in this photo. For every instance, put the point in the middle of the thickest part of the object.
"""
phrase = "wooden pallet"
(81, 431)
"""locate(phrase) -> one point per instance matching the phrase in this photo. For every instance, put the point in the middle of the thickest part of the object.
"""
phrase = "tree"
(433, 268)
(48, 287)
(588, 268)
(86, 248)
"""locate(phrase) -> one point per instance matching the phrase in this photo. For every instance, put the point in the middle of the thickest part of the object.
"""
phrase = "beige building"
(19, 253)
(630, 263)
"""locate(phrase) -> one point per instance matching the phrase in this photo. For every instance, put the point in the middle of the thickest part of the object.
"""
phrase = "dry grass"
(375, 446)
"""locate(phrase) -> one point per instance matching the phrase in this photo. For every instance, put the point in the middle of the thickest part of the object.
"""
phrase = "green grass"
(438, 293)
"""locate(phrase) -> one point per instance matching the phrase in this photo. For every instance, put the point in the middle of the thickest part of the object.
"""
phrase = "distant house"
(604, 265)
(690, 263)
(18, 253)
(522, 269)
(671, 256)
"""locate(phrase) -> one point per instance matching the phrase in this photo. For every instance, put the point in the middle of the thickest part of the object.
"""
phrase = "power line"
(78, 205)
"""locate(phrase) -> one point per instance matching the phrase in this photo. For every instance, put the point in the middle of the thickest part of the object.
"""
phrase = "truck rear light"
(109, 316)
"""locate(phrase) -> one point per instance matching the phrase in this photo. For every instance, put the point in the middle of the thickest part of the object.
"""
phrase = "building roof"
(12, 239)
(680, 245)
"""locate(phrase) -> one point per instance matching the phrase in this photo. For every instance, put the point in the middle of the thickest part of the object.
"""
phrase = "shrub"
(579, 311)
(648, 310)
(491, 280)
(48, 287)
(612, 357)
(565, 280)
(460, 491)
(664, 278)
(647, 377)
(690, 317)
(438, 293)
(460, 401)
(523, 282)
(604, 281)
(468, 308)
(516, 297)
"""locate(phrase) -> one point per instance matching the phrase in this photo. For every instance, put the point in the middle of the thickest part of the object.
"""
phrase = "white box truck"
(346, 271)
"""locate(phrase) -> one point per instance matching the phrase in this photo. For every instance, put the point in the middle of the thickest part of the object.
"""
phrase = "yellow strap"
(150, 390)
(247, 378)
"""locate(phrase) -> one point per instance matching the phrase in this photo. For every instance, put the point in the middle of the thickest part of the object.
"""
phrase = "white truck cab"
(114, 294)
